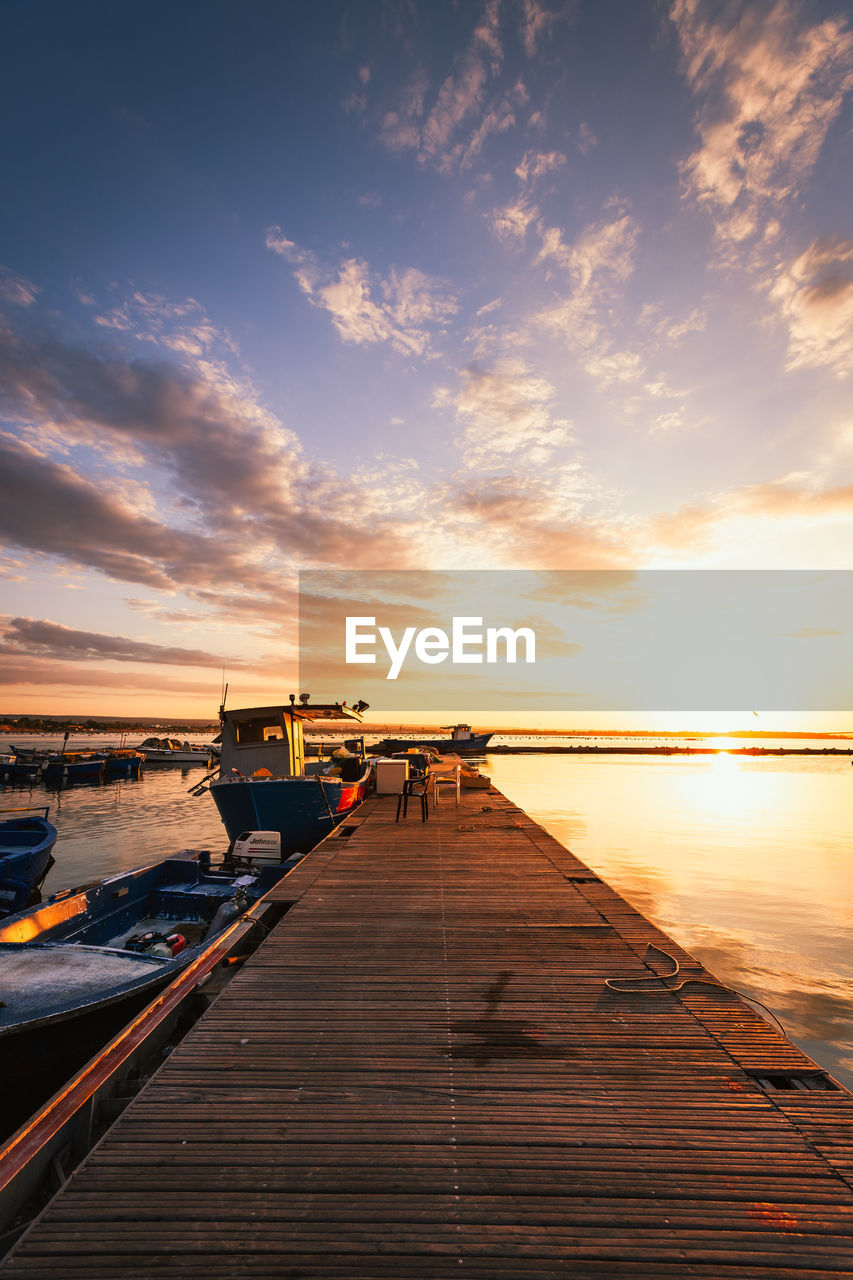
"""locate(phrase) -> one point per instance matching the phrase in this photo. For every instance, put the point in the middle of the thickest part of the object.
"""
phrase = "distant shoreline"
(41, 727)
(623, 750)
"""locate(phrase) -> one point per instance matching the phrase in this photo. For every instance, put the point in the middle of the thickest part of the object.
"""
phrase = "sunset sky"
(396, 284)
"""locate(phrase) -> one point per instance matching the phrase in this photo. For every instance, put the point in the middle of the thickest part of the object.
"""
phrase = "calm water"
(744, 861)
(113, 826)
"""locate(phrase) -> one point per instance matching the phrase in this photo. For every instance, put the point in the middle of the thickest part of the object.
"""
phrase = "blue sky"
(513, 284)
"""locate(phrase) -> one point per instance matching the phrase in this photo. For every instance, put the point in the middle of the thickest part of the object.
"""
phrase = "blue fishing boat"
(121, 762)
(26, 856)
(17, 769)
(76, 967)
(462, 742)
(265, 785)
(73, 766)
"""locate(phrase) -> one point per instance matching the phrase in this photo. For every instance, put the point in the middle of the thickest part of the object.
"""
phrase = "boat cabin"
(271, 738)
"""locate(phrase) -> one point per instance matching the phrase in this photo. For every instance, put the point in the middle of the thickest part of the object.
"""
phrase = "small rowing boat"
(26, 856)
(76, 967)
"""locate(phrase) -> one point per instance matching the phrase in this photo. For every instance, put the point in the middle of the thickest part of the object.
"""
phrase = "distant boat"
(461, 742)
(18, 769)
(26, 856)
(263, 781)
(121, 762)
(75, 968)
(57, 767)
(173, 751)
(73, 766)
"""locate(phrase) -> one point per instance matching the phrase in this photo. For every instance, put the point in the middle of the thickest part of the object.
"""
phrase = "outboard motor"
(257, 846)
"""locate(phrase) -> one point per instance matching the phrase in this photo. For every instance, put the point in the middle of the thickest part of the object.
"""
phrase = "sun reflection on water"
(745, 861)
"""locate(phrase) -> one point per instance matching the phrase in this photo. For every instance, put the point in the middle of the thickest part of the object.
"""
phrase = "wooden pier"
(459, 1054)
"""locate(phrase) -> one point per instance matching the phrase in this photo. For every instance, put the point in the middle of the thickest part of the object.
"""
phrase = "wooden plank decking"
(421, 1073)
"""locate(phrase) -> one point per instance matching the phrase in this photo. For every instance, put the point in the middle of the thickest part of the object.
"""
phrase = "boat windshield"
(258, 729)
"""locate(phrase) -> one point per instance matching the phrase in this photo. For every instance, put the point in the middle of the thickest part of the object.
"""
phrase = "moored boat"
(173, 751)
(73, 766)
(263, 782)
(462, 741)
(26, 856)
(75, 968)
(123, 762)
(18, 769)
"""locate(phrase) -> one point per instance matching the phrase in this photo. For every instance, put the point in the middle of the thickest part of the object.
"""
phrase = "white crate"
(390, 776)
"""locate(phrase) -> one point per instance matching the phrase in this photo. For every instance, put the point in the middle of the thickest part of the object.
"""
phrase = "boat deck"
(423, 1072)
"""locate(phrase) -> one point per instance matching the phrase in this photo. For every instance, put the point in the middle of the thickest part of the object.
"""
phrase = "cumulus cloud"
(814, 294)
(769, 86)
(598, 264)
(537, 521)
(498, 119)
(200, 422)
(404, 309)
(42, 638)
(488, 307)
(536, 22)
(503, 411)
(789, 498)
(674, 330)
(513, 221)
(616, 367)
(535, 164)
(48, 508)
(401, 128)
(182, 327)
(451, 132)
(244, 502)
(461, 94)
(586, 139)
(604, 250)
(757, 515)
(17, 289)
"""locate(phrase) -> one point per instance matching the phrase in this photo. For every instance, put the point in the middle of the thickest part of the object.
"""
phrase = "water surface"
(745, 861)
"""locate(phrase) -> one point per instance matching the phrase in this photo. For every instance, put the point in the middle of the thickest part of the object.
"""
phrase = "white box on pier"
(390, 776)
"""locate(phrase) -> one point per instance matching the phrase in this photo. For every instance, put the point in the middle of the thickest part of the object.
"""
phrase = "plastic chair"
(453, 779)
(418, 787)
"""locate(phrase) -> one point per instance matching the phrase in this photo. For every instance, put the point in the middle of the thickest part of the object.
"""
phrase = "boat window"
(259, 729)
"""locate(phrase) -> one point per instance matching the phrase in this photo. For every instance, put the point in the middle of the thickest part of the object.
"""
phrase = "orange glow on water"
(744, 861)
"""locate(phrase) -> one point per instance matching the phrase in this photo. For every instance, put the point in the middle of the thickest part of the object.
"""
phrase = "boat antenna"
(222, 703)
